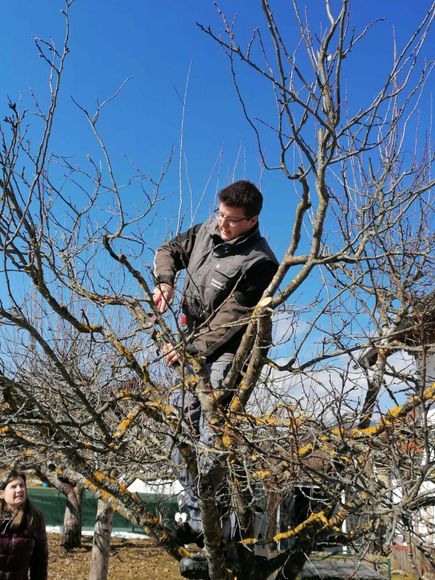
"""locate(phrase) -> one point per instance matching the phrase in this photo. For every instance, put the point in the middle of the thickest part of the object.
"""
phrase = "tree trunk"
(211, 525)
(72, 521)
(101, 543)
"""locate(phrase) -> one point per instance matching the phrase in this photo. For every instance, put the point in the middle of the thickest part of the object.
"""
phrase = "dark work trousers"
(195, 421)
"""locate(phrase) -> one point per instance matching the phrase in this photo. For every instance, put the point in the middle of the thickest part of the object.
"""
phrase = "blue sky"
(156, 43)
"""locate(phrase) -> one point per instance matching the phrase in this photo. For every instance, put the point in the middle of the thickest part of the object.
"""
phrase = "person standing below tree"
(23, 539)
(228, 266)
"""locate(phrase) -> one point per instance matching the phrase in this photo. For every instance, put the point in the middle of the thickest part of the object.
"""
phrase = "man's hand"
(172, 357)
(162, 296)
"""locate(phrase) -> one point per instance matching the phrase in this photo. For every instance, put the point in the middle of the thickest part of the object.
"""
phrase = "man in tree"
(228, 266)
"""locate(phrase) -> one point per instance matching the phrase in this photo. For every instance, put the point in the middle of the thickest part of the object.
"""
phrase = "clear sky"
(156, 43)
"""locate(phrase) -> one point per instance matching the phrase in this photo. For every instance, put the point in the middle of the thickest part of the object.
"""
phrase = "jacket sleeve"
(174, 255)
(39, 559)
(233, 315)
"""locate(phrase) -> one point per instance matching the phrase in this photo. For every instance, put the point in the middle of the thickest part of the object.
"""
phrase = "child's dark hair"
(27, 517)
(242, 194)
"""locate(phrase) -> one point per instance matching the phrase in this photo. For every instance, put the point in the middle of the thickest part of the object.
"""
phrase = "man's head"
(240, 204)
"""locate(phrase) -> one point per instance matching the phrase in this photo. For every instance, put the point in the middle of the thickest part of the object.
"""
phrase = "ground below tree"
(130, 559)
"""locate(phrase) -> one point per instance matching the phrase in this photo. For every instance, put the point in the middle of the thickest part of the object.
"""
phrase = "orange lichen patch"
(386, 421)
(395, 413)
(123, 488)
(122, 428)
(125, 423)
(236, 405)
(318, 517)
(327, 442)
(167, 410)
(125, 393)
(248, 541)
(228, 439)
(105, 496)
(401, 410)
(264, 473)
(305, 450)
(268, 420)
(103, 478)
(5, 429)
(315, 518)
(99, 476)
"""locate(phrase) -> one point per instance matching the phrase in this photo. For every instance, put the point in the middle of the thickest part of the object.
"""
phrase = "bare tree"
(81, 376)
(72, 522)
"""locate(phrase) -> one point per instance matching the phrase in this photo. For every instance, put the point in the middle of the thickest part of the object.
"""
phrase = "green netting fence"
(52, 504)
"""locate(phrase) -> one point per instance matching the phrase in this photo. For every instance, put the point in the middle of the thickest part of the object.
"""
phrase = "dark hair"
(27, 517)
(12, 474)
(242, 194)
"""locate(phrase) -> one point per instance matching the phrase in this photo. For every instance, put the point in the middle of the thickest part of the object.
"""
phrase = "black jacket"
(223, 282)
(23, 551)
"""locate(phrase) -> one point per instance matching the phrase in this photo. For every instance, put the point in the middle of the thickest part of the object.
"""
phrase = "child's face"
(15, 493)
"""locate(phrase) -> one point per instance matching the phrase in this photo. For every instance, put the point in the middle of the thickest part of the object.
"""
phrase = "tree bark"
(211, 525)
(101, 543)
(72, 522)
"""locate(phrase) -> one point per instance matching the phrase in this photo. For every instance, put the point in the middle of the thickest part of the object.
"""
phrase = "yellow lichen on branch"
(101, 477)
(162, 406)
(328, 443)
(125, 394)
(125, 423)
(313, 519)
(267, 420)
(124, 351)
